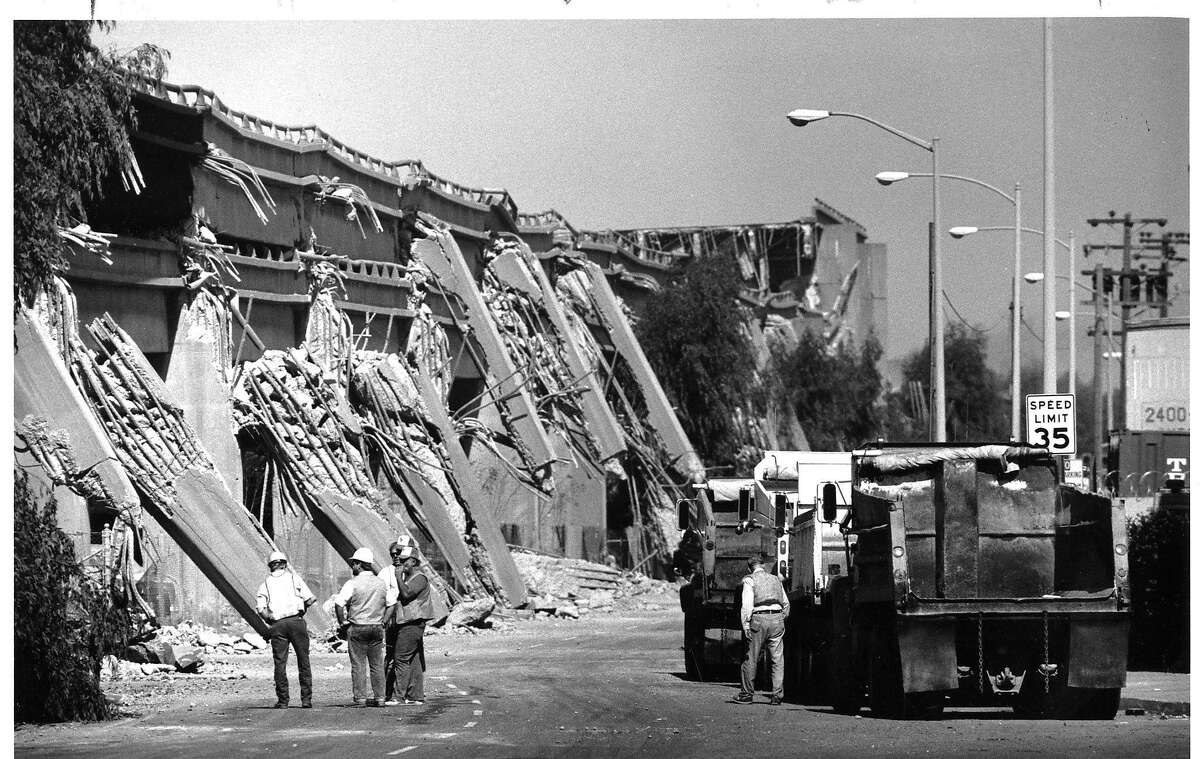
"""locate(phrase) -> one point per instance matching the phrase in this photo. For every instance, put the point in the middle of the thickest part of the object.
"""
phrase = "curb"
(1163, 708)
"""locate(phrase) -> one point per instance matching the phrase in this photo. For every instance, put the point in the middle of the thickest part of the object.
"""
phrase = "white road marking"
(475, 701)
(471, 724)
(478, 713)
(401, 750)
(451, 685)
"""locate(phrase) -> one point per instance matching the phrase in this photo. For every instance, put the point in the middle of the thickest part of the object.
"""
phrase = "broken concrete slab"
(470, 613)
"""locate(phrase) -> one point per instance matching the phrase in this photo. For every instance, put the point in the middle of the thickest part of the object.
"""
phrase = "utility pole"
(1126, 275)
(1099, 431)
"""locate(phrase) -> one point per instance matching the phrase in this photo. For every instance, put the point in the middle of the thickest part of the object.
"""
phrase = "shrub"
(63, 623)
(1158, 582)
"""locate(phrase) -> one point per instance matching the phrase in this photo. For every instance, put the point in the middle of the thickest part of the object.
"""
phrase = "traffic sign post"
(1050, 422)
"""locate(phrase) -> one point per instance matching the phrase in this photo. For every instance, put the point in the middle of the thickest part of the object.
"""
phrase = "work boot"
(776, 700)
(306, 704)
(744, 698)
(373, 702)
(281, 705)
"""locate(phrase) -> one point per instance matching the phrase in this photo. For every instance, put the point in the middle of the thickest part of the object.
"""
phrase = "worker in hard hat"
(361, 605)
(406, 627)
(281, 601)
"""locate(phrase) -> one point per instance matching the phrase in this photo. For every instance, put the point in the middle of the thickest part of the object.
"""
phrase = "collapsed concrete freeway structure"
(285, 342)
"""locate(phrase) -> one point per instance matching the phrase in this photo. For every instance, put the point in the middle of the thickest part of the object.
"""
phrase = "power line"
(964, 321)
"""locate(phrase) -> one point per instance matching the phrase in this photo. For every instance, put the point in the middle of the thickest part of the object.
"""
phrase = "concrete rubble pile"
(185, 648)
(298, 413)
(653, 491)
(571, 588)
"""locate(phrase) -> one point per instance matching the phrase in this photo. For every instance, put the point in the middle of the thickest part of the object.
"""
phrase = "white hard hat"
(276, 556)
(407, 552)
(364, 555)
(407, 540)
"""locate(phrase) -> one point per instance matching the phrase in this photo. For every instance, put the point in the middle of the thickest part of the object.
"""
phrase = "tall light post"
(1049, 354)
(937, 348)
(1049, 314)
(886, 178)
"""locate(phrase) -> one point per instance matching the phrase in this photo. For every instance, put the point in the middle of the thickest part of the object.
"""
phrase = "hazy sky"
(674, 122)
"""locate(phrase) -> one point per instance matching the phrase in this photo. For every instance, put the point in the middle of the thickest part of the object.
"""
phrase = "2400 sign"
(1159, 415)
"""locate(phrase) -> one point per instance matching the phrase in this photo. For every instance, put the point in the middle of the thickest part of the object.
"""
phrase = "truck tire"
(693, 645)
(887, 695)
(691, 668)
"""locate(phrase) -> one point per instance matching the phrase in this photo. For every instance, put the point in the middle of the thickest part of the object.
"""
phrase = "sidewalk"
(1158, 693)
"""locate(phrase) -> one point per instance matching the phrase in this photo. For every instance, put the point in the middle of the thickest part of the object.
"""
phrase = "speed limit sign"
(1050, 422)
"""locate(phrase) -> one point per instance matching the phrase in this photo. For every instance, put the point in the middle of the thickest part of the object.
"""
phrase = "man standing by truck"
(764, 608)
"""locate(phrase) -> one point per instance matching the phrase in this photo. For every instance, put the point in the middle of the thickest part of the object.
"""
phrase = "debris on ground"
(572, 588)
(471, 613)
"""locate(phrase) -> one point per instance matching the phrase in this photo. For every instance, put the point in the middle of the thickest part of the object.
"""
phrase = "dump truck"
(724, 523)
(968, 575)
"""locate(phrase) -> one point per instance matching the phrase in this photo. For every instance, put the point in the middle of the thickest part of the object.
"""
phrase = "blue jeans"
(765, 629)
(282, 633)
(406, 661)
(366, 652)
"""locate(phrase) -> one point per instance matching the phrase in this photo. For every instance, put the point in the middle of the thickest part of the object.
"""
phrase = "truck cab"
(724, 523)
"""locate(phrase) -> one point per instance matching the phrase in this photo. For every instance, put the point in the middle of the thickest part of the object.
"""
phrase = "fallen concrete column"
(57, 425)
(421, 453)
(65, 450)
(440, 254)
(517, 268)
(163, 457)
(658, 408)
(384, 394)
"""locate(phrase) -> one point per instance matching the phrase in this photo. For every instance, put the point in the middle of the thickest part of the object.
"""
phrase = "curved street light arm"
(1030, 230)
(923, 144)
(972, 180)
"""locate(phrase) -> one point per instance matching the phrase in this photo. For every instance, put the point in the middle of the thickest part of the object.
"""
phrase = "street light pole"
(938, 349)
(1049, 343)
(1016, 320)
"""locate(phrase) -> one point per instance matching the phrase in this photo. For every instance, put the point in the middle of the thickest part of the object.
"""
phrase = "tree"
(835, 391)
(976, 401)
(694, 336)
(72, 112)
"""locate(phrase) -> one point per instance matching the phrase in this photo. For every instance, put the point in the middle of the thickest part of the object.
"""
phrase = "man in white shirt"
(764, 608)
(282, 600)
(361, 607)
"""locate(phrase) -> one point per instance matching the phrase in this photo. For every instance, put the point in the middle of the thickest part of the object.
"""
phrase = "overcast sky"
(625, 123)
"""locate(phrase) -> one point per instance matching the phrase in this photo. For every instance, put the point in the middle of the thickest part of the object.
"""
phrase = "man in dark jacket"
(406, 630)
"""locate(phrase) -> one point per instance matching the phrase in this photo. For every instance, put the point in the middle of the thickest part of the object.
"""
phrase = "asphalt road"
(603, 686)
